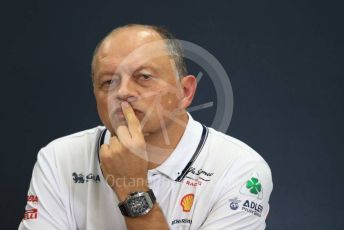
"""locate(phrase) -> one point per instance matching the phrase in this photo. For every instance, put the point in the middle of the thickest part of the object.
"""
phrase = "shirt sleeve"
(244, 202)
(44, 208)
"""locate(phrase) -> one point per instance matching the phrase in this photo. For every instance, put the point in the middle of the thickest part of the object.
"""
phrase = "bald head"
(136, 35)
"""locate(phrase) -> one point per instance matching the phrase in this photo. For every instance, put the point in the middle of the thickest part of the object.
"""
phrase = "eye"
(113, 82)
(108, 82)
(145, 77)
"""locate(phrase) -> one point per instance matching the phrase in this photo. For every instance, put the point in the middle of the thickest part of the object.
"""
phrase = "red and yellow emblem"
(187, 202)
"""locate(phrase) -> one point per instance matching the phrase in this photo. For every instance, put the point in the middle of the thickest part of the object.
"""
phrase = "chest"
(185, 204)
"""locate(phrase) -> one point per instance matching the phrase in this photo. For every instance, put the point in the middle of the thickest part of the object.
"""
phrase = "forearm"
(124, 163)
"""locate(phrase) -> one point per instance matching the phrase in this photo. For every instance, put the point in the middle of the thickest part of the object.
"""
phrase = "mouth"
(119, 113)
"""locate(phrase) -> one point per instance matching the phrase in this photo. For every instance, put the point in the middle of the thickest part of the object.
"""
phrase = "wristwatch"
(137, 203)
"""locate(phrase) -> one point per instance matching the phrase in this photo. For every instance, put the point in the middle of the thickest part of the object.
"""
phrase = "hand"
(124, 160)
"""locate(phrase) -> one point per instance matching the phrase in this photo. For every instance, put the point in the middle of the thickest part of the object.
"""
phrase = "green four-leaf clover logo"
(254, 185)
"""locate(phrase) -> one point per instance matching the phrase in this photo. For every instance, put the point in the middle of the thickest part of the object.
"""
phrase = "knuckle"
(104, 148)
(113, 141)
(105, 159)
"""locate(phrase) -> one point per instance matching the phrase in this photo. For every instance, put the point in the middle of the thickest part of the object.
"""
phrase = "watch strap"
(151, 195)
(122, 208)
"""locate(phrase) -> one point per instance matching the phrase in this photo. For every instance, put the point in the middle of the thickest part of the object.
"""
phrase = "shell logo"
(187, 202)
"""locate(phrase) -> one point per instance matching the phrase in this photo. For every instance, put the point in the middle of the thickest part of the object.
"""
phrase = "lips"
(119, 113)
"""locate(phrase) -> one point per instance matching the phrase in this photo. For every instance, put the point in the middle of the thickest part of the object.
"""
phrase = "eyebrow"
(147, 66)
(107, 69)
(110, 71)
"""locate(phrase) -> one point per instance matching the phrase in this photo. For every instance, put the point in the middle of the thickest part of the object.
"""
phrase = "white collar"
(174, 165)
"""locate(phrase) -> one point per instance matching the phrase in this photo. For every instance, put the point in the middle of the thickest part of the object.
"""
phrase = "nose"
(126, 89)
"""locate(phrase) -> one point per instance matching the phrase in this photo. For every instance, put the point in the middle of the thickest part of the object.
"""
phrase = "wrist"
(129, 186)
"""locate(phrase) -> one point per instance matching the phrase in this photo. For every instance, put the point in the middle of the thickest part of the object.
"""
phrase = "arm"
(44, 209)
(125, 166)
(244, 204)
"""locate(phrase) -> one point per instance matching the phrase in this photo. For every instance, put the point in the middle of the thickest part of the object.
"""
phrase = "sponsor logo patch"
(253, 187)
(31, 214)
(193, 183)
(253, 208)
(32, 198)
(234, 203)
(80, 178)
(200, 173)
(186, 202)
(181, 221)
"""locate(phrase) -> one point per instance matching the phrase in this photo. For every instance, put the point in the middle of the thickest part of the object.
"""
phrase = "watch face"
(138, 205)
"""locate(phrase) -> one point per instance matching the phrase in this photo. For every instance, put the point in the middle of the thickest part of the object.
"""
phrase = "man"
(152, 166)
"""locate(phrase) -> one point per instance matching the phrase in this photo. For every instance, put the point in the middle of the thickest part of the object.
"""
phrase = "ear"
(189, 84)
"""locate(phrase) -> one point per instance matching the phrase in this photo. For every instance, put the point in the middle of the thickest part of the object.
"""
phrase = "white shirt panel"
(226, 186)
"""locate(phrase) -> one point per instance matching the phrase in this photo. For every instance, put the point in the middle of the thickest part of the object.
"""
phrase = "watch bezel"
(134, 196)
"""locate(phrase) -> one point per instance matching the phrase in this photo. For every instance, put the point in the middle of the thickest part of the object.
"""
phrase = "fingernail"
(131, 99)
(125, 104)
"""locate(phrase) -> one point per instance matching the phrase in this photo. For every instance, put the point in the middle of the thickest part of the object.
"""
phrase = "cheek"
(105, 101)
(102, 104)
(169, 102)
(103, 107)
(172, 101)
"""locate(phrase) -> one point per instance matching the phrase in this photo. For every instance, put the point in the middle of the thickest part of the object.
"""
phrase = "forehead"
(133, 46)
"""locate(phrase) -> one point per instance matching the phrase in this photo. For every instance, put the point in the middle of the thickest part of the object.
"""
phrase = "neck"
(162, 143)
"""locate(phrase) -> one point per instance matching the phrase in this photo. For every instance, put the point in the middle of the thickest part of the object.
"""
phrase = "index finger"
(134, 125)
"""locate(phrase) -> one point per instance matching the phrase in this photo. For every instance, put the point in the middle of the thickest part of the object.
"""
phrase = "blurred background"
(284, 60)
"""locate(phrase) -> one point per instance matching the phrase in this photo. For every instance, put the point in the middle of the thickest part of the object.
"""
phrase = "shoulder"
(226, 147)
(233, 158)
(84, 136)
(236, 163)
(75, 145)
